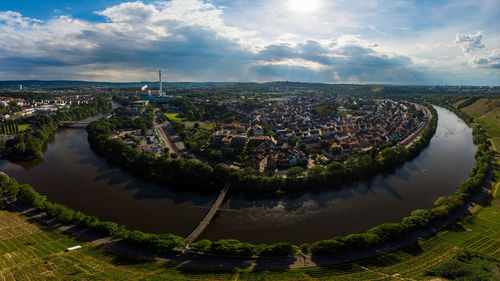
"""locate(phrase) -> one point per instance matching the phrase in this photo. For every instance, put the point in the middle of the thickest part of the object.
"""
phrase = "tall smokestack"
(159, 73)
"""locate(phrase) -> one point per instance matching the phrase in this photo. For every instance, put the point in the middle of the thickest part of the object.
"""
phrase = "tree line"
(9, 127)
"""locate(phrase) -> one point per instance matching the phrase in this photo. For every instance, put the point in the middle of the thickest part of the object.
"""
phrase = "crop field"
(188, 124)
(460, 102)
(487, 113)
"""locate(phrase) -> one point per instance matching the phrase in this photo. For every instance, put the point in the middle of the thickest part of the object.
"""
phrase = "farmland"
(487, 113)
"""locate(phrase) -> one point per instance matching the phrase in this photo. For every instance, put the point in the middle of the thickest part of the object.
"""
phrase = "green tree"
(295, 172)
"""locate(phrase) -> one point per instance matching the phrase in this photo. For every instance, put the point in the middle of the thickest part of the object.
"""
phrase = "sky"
(411, 42)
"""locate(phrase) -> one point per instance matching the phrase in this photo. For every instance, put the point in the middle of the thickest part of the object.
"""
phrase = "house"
(216, 139)
(254, 160)
(239, 141)
(257, 131)
(311, 142)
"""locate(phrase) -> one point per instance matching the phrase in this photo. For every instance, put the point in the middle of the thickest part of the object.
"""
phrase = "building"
(257, 131)
(239, 141)
(140, 103)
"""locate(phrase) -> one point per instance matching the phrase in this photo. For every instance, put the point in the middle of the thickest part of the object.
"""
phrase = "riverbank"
(197, 174)
(305, 217)
(470, 228)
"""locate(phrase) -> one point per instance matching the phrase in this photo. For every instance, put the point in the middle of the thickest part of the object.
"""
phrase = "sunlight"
(304, 6)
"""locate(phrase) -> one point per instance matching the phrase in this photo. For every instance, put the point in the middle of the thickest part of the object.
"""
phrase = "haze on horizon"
(381, 41)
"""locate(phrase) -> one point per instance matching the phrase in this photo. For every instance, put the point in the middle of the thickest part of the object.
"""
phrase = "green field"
(188, 124)
(487, 113)
(24, 127)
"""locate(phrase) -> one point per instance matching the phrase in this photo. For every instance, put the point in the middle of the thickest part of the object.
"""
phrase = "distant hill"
(277, 86)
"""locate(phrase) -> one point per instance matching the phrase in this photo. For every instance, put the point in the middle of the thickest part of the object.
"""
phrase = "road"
(416, 135)
(167, 134)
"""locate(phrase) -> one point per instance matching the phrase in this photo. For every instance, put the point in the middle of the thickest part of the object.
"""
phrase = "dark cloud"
(196, 52)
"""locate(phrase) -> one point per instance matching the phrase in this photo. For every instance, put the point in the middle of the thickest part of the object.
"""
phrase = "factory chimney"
(160, 91)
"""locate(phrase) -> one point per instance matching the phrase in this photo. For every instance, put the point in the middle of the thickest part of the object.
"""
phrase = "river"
(72, 174)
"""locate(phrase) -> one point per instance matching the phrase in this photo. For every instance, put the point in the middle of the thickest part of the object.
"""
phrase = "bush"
(388, 231)
(203, 245)
(232, 247)
(279, 249)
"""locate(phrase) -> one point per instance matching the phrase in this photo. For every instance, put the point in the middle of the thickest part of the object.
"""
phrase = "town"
(331, 128)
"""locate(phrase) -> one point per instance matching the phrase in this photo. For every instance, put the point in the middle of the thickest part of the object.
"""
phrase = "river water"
(73, 175)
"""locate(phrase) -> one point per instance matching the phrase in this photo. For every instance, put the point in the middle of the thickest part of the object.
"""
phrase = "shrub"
(203, 245)
(232, 247)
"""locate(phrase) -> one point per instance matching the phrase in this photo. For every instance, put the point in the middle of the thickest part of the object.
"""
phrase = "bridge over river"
(74, 124)
(208, 218)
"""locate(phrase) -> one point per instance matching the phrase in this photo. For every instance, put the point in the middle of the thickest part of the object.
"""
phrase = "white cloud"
(195, 40)
(490, 61)
(469, 42)
(297, 62)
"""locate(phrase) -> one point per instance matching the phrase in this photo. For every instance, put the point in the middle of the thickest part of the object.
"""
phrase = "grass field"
(487, 113)
(24, 127)
(188, 124)
(460, 102)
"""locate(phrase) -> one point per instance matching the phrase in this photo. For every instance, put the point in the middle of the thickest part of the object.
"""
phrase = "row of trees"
(160, 243)
(26, 194)
(9, 127)
(232, 247)
(27, 146)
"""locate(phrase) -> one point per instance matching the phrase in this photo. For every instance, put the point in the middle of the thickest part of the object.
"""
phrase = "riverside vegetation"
(27, 145)
(167, 242)
(197, 174)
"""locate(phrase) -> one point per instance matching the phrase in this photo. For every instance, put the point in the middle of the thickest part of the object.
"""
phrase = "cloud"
(469, 42)
(190, 39)
(491, 61)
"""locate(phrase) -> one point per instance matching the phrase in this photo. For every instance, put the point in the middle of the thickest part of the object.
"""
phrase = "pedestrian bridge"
(74, 124)
(208, 218)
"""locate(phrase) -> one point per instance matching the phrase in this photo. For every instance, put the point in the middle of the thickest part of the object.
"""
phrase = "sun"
(304, 6)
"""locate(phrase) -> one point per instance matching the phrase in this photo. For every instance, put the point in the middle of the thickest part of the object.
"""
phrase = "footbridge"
(74, 124)
(208, 218)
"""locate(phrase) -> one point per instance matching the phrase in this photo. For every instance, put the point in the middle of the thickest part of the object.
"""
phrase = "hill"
(486, 112)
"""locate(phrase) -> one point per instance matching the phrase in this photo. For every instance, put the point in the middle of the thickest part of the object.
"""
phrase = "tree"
(292, 140)
(335, 167)
(316, 173)
(295, 172)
